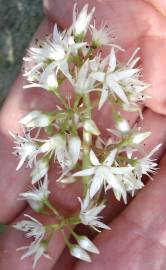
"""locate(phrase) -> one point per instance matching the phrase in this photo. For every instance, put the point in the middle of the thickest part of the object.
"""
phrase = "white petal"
(29, 117)
(110, 158)
(74, 48)
(100, 224)
(98, 76)
(81, 23)
(21, 163)
(96, 184)
(121, 75)
(156, 148)
(85, 172)
(139, 137)
(63, 66)
(103, 98)
(74, 148)
(90, 126)
(56, 35)
(94, 160)
(114, 182)
(121, 170)
(112, 61)
(96, 210)
(118, 90)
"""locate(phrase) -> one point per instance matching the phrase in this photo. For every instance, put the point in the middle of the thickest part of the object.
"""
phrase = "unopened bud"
(90, 126)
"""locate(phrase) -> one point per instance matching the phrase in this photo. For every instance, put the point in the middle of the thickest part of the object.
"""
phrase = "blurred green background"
(18, 21)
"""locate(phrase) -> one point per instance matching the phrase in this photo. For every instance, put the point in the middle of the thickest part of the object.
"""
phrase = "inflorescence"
(72, 140)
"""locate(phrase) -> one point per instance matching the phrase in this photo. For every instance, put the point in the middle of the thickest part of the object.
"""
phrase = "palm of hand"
(137, 240)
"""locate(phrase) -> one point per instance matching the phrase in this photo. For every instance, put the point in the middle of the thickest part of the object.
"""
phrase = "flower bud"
(81, 23)
(36, 119)
(74, 148)
(37, 195)
(90, 126)
(122, 125)
(51, 81)
(77, 252)
(86, 244)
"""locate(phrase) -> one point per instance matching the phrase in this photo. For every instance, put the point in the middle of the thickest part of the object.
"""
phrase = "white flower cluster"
(71, 138)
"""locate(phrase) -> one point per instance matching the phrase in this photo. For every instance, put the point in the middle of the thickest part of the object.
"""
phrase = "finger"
(154, 70)
(138, 235)
(160, 5)
(65, 261)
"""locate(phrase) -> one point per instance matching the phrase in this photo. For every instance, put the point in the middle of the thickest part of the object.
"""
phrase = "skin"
(138, 239)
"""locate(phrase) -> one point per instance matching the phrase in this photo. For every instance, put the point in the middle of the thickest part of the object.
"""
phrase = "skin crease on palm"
(138, 237)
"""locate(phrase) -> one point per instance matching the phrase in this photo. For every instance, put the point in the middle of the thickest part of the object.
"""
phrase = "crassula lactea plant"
(71, 139)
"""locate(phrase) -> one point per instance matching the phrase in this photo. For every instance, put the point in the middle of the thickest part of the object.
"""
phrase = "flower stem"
(49, 205)
(69, 245)
(86, 144)
(61, 98)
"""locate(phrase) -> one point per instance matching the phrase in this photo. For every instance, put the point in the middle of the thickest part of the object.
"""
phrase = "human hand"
(127, 226)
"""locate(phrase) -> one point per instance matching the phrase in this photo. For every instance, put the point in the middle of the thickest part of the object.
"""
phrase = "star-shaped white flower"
(129, 138)
(82, 20)
(66, 152)
(51, 57)
(33, 228)
(146, 165)
(102, 36)
(46, 79)
(89, 214)
(55, 146)
(83, 82)
(112, 80)
(132, 183)
(105, 174)
(26, 149)
(37, 195)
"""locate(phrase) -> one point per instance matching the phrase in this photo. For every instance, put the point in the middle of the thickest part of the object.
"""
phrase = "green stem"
(61, 98)
(76, 101)
(49, 205)
(68, 244)
(86, 144)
